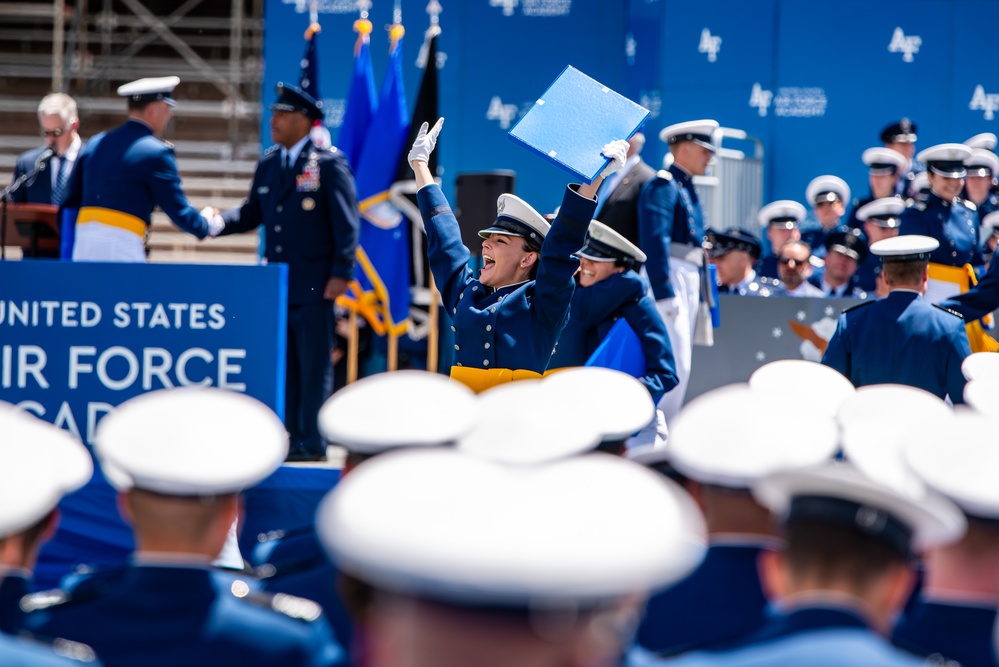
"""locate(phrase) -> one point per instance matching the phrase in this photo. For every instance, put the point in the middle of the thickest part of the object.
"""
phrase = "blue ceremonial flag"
(383, 255)
(621, 350)
(308, 81)
(362, 101)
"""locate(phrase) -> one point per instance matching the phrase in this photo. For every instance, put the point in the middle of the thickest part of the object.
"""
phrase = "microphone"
(44, 156)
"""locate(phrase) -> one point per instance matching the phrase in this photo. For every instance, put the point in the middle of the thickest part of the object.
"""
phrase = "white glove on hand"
(669, 308)
(425, 142)
(215, 222)
(617, 151)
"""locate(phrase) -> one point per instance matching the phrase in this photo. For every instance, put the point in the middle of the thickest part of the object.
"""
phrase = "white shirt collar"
(74, 149)
(295, 150)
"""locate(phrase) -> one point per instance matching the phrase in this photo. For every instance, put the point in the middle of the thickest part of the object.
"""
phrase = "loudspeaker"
(476, 195)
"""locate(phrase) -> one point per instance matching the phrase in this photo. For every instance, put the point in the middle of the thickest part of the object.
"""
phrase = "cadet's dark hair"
(139, 105)
(531, 246)
(904, 273)
(832, 552)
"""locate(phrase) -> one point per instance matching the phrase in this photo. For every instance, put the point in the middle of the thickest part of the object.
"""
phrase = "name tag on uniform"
(308, 180)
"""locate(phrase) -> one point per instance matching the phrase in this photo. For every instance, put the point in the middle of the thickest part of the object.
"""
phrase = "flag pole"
(353, 345)
(433, 334)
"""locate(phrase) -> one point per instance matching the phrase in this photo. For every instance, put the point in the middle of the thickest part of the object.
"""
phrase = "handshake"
(214, 220)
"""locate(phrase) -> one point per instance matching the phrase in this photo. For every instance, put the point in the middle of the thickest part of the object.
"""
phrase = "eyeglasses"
(792, 262)
(58, 132)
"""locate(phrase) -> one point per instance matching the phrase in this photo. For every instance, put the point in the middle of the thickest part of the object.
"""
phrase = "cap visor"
(486, 233)
(169, 100)
(704, 144)
(949, 173)
(593, 258)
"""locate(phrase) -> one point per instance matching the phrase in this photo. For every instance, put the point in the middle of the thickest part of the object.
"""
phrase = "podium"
(33, 227)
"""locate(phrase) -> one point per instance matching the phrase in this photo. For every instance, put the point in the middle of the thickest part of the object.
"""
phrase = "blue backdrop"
(816, 81)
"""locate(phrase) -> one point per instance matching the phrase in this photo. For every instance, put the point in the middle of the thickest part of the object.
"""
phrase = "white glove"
(425, 142)
(215, 222)
(669, 308)
(617, 151)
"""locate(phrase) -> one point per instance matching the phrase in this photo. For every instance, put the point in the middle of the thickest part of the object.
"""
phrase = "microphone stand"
(5, 196)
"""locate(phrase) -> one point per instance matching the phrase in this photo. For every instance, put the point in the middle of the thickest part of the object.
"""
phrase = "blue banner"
(77, 339)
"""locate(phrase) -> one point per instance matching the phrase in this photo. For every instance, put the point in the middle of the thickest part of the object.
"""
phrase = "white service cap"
(442, 524)
(518, 426)
(190, 441)
(735, 435)
(398, 409)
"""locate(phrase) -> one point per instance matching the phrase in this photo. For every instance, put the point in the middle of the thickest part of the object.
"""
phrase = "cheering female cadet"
(507, 322)
(608, 289)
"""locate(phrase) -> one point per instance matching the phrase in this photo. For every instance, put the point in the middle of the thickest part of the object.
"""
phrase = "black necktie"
(286, 169)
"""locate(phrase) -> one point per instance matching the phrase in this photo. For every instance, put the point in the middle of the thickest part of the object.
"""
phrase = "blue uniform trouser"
(310, 340)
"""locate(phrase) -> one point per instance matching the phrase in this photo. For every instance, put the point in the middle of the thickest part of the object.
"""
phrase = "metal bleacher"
(88, 48)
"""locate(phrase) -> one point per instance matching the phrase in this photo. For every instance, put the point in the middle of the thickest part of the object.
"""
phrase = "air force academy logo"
(760, 98)
(710, 44)
(982, 101)
(907, 45)
(504, 113)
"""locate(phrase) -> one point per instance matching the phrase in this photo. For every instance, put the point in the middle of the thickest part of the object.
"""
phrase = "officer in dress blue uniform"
(843, 574)
(781, 221)
(845, 250)
(123, 174)
(374, 415)
(827, 195)
(608, 288)
(468, 551)
(954, 615)
(884, 168)
(306, 200)
(671, 233)
(169, 607)
(723, 442)
(734, 252)
(901, 137)
(902, 339)
(39, 464)
(508, 320)
(945, 216)
(878, 219)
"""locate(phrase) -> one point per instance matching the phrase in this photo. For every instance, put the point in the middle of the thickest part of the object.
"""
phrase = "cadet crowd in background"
(578, 516)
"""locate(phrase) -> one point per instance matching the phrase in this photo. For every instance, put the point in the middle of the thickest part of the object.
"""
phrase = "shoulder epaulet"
(44, 600)
(970, 205)
(272, 149)
(664, 174)
(919, 206)
(948, 310)
(168, 145)
(859, 305)
(287, 605)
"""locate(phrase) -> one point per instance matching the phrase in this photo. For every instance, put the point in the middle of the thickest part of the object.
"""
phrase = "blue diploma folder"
(574, 119)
